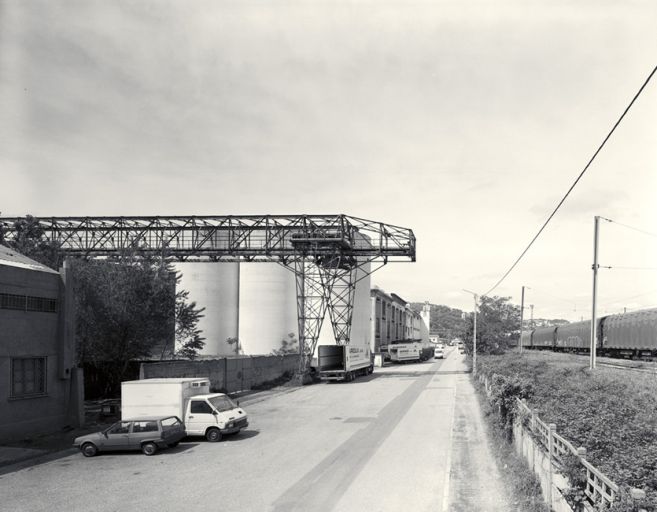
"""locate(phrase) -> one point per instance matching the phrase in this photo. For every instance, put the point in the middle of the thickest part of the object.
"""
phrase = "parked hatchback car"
(145, 434)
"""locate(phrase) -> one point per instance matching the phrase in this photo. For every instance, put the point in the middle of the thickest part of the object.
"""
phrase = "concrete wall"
(228, 374)
(38, 334)
(537, 460)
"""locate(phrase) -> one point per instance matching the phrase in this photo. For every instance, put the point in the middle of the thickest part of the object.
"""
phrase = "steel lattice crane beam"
(326, 252)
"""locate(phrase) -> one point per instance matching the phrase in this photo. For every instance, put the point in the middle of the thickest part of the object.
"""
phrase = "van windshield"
(222, 403)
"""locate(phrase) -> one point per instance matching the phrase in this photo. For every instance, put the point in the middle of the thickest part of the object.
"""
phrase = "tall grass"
(612, 413)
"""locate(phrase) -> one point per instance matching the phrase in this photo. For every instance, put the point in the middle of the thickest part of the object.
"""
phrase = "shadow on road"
(241, 436)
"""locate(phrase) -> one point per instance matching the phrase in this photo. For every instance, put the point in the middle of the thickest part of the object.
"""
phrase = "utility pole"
(474, 334)
(531, 321)
(596, 229)
(522, 312)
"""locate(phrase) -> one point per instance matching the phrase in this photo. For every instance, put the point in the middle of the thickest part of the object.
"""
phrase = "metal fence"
(599, 489)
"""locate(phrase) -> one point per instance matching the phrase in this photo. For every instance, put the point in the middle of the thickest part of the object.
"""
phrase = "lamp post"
(522, 312)
(474, 333)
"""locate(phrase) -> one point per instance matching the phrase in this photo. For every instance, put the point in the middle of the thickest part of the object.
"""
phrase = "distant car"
(438, 352)
(145, 434)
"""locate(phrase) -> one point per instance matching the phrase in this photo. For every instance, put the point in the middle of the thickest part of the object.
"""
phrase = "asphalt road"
(408, 437)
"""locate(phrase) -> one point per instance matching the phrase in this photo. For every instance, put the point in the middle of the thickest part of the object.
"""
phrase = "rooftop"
(11, 258)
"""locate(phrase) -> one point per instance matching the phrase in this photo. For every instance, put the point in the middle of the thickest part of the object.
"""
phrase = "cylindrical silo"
(215, 287)
(268, 307)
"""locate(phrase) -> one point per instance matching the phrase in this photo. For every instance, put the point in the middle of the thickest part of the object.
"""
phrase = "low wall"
(552, 483)
(229, 375)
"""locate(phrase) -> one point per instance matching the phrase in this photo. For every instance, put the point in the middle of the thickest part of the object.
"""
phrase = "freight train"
(626, 335)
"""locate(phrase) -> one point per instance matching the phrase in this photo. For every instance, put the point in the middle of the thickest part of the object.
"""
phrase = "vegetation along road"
(408, 437)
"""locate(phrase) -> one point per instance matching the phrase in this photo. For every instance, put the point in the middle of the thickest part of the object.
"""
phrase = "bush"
(609, 412)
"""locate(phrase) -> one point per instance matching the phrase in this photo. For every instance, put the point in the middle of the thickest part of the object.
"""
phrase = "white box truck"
(205, 414)
(343, 362)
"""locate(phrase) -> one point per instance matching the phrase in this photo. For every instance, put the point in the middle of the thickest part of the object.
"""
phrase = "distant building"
(40, 388)
(393, 320)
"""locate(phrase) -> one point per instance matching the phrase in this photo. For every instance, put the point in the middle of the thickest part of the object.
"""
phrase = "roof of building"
(399, 299)
(11, 258)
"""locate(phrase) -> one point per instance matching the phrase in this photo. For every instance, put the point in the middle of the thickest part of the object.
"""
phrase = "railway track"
(617, 366)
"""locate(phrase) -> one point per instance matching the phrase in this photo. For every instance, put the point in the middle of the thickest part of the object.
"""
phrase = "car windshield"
(222, 403)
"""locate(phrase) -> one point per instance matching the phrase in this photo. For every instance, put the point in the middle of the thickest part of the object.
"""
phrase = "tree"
(236, 342)
(498, 323)
(124, 311)
(30, 241)
(289, 345)
(447, 322)
(127, 306)
(188, 335)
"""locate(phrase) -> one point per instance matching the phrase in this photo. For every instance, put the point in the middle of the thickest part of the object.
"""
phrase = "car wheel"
(148, 448)
(173, 445)
(89, 449)
(213, 435)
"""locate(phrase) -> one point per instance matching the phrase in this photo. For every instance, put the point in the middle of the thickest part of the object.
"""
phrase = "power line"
(633, 228)
(613, 267)
(632, 297)
(576, 181)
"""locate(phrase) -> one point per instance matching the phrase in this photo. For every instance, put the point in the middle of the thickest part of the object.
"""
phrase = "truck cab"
(213, 416)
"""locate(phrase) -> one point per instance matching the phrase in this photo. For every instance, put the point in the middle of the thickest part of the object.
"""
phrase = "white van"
(205, 414)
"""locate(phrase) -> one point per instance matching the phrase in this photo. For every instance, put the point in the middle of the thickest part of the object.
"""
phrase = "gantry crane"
(327, 253)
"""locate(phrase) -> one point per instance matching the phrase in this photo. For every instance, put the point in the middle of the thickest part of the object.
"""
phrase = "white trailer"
(205, 414)
(343, 362)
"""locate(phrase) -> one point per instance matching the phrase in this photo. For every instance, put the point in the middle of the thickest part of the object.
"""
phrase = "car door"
(199, 417)
(117, 437)
(143, 430)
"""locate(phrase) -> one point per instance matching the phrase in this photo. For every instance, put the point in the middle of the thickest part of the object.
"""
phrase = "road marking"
(322, 487)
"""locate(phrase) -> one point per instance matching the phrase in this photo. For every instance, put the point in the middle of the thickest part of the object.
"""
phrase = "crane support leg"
(311, 308)
(341, 303)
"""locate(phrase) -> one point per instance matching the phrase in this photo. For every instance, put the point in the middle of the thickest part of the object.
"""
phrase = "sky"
(463, 120)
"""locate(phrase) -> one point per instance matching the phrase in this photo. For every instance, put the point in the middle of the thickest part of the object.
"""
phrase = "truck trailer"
(205, 414)
(410, 350)
(343, 362)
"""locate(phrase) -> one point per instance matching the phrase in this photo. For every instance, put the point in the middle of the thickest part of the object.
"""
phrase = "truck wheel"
(89, 449)
(148, 448)
(213, 435)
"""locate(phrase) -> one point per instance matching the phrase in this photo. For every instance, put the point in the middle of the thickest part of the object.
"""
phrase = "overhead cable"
(576, 181)
(633, 228)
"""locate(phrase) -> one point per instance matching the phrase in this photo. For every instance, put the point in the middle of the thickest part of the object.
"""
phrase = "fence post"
(553, 429)
(534, 414)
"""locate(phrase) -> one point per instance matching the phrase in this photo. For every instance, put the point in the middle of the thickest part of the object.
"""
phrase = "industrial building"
(40, 388)
(394, 320)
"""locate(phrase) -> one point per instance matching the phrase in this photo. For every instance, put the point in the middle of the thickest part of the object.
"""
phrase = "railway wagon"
(630, 334)
(543, 337)
(526, 339)
(574, 337)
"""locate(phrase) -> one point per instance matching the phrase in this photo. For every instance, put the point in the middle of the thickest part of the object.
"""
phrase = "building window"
(28, 377)
(27, 303)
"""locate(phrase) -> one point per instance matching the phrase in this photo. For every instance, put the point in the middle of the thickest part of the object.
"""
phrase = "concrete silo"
(268, 307)
(215, 287)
